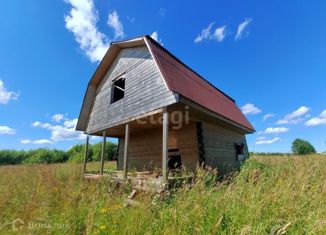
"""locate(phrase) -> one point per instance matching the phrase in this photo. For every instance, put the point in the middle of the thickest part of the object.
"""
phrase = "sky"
(270, 56)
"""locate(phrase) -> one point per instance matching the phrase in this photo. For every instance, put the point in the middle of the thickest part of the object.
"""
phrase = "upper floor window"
(118, 90)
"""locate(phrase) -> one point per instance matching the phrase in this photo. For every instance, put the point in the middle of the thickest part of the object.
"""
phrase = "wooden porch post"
(165, 145)
(125, 153)
(103, 152)
(85, 154)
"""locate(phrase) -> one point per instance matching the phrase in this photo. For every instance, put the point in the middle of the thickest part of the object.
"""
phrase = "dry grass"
(271, 195)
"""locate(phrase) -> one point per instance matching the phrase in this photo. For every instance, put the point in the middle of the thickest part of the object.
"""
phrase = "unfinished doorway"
(174, 160)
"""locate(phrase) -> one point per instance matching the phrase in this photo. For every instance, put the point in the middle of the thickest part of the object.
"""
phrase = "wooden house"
(164, 114)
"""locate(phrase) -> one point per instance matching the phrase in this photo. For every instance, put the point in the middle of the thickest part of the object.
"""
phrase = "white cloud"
(40, 124)
(264, 140)
(6, 130)
(206, 34)
(62, 132)
(242, 29)
(320, 120)
(70, 123)
(220, 33)
(323, 114)
(154, 35)
(81, 21)
(116, 25)
(58, 117)
(261, 138)
(295, 117)
(25, 141)
(5, 95)
(40, 141)
(267, 116)
(250, 109)
(37, 123)
(276, 130)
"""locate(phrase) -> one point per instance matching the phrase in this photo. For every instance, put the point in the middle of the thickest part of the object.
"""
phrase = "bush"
(110, 151)
(76, 153)
(302, 147)
(44, 155)
(12, 157)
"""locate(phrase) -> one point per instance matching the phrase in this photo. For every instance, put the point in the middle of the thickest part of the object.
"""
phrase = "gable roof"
(179, 78)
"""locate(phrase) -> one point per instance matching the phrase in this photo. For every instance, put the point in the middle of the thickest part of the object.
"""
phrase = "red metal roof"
(183, 80)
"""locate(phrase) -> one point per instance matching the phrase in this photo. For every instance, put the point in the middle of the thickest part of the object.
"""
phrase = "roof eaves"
(177, 59)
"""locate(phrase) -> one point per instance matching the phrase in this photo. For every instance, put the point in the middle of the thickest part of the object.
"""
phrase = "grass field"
(270, 195)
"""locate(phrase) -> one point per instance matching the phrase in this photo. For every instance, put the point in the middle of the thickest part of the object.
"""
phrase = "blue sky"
(269, 56)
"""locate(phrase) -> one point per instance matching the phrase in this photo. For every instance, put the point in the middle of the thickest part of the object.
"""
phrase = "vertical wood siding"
(145, 90)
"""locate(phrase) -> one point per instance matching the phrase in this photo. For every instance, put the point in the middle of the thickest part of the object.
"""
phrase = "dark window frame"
(239, 150)
(118, 89)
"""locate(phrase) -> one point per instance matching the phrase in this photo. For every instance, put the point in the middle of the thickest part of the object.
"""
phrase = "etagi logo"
(177, 118)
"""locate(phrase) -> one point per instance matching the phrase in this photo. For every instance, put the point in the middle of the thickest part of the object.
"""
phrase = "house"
(164, 114)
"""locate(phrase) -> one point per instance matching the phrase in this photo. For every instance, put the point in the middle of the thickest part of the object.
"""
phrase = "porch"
(152, 148)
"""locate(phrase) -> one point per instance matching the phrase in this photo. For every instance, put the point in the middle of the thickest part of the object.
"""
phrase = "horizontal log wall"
(145, 90)
(145, 148)
(219, 147)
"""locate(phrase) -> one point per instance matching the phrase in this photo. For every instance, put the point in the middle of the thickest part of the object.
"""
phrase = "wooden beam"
(147, 114)
(165, 145)
(125, 153)
(214, 115)
(103, 152)
(85, 154)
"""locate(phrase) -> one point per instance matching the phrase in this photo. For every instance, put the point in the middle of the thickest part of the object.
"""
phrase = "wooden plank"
(145, 149)
(125, 155)
(85, 155)
(165, 146)
(219, 146)
(103, 152)
(144, 90)
(210, 113)
(120, 116)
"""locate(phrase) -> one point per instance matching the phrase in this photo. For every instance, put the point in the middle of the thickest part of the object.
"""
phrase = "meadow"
(270, 195)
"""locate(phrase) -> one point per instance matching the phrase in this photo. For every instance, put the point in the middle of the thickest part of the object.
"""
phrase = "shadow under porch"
(158, 142)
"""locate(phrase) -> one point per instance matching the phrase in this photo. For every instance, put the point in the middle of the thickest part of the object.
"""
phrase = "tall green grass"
(270, 195)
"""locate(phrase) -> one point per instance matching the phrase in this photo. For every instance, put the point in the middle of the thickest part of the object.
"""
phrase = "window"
(118, 90)
(239, 151)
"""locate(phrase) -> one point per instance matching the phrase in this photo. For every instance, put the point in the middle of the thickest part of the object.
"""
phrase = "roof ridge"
(188, 67)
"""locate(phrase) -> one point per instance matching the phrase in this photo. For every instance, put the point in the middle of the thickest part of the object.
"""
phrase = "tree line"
(299, 147)
(45, 155)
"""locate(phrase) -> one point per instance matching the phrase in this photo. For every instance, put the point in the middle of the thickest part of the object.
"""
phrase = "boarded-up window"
(118, 90)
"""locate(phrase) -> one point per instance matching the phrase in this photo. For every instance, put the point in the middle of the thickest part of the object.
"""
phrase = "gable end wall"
(145, 90)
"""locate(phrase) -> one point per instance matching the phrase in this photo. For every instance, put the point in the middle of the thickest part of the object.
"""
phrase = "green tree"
(110, 151)
(45, 155)
(302, 147)
(76, 153)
